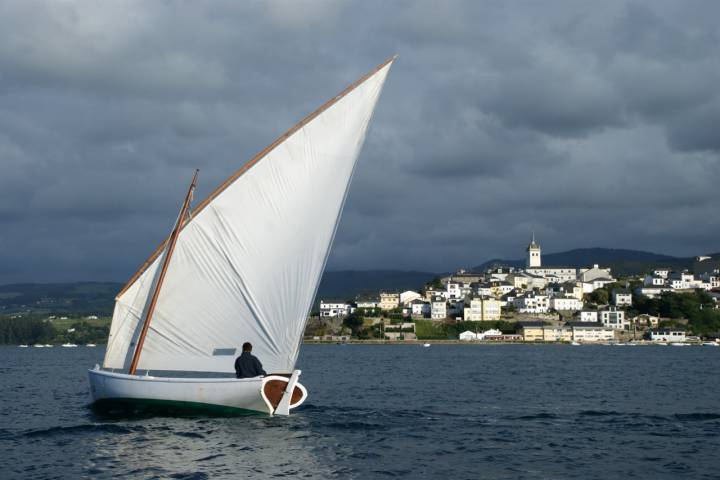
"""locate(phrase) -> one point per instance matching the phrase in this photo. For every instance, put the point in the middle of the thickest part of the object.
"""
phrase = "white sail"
(248, 264)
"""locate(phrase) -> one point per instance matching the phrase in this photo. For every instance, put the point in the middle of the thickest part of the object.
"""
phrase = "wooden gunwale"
(253, 161)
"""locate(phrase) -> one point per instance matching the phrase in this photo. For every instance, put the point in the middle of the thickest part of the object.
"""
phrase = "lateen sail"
(247, 265)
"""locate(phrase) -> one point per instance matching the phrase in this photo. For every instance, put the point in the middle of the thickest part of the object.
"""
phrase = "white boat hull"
(247, 395)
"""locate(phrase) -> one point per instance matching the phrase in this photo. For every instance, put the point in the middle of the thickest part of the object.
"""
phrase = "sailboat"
(243, 266)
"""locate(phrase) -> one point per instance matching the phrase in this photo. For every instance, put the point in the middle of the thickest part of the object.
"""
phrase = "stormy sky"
(593, 123)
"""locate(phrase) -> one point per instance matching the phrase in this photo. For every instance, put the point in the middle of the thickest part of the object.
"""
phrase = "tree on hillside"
(354, 322)
(599, 297)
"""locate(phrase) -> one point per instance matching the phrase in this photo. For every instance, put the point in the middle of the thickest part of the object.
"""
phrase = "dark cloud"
(593, 124)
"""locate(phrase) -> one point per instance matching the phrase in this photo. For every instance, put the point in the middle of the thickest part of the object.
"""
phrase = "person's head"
(247, 347)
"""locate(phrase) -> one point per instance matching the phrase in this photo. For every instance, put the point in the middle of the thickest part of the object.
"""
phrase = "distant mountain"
(98, 298)
(346, 284)
(620, 261)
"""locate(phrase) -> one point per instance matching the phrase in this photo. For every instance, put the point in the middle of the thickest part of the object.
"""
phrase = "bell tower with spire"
(533, 254)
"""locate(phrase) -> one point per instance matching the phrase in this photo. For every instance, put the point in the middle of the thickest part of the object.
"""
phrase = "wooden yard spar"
(166, 261)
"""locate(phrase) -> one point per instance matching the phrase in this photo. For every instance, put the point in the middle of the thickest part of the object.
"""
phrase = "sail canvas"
(246, 267)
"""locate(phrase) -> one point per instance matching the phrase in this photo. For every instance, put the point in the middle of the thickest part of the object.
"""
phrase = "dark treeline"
(25, 330)
(31, 330)
(697, 307)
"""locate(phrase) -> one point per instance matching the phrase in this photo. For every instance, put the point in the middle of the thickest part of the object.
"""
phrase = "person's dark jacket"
(247, 366)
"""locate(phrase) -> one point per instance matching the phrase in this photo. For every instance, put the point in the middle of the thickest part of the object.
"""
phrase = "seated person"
(247, 365)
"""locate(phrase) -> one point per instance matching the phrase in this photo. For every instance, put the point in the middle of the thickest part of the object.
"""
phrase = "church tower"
(533, 254)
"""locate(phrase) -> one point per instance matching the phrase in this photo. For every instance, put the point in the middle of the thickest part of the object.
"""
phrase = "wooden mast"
(166, 261)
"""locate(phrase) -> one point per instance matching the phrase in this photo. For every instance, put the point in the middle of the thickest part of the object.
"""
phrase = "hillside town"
(537, 303)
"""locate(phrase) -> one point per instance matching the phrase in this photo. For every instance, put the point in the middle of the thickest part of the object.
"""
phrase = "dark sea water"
(450, 412)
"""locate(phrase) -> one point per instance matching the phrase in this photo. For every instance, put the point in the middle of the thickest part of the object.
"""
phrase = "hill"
(98, 298)
(346, 284)
(621, 261)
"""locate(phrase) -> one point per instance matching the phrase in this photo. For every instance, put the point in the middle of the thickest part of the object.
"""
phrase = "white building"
(334, 309)
(468, 336)
(668, 336)
(420, 308)
(651, 292)
(438, 308)
(681, 281)
(533, 259)
(590, 274)
(483, 308)
(654, 281)
(532, 303)
(367, 304)
(566, 303)
(712, 279)
(590, 332)
(661, 272)
(589, 316)
(613, 318)
(621, 298)
(388, 301)
(454, 290)
(408, 296)
(493, 332)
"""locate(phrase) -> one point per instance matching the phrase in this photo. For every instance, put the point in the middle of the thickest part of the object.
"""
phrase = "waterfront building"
(388, 301)
(468, 336)
(668, 336)
(531, 331)
(557, 334)
(489, 334)
(590, 332)
(622, 298)
(613, 318)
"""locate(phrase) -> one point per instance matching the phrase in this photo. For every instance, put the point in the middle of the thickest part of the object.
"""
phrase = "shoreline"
(475, 342)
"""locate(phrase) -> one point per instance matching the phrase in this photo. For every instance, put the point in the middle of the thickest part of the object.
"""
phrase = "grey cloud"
(591, 123)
